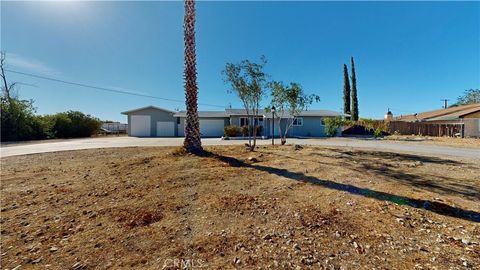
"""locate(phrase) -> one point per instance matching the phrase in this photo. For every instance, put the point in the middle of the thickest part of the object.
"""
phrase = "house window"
(178, 120)
(322, 122)
(243, 121)
(258, 121)
(297, 122)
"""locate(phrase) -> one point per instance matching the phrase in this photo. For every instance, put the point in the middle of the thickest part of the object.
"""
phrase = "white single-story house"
(153, 121)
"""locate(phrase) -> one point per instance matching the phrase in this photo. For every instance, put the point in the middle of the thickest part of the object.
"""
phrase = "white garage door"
(211, 127)
(165, 129)
(140, 125)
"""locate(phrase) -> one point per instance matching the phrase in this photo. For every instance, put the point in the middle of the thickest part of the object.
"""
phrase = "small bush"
(373, 125)
(245, 131)
(365, 126)
(231, 131)
(378, 133)
(332, 124)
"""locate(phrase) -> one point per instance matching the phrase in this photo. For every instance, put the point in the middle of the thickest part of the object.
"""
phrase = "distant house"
(113, 127)
(153, 121)
(468, 115)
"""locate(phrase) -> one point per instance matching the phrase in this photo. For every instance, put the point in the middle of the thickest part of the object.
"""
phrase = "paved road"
(77, 144)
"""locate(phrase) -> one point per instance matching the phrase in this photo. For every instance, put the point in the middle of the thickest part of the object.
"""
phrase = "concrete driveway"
(90, 143)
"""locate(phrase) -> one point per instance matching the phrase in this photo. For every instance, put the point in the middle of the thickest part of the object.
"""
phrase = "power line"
(104, 88)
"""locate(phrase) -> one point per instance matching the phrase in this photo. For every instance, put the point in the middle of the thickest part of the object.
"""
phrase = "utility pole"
(445, 101)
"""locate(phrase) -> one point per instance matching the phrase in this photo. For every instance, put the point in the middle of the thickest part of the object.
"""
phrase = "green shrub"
(19, 122)
(41, 127)
(74, 124)
(348, 123)
(377, 133)
(332, 124)
(373, 125)
(231, 131)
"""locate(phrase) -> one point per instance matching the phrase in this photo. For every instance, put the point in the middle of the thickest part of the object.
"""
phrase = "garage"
(211, 127)
(140, 126)
(165, 129)
(151, 121)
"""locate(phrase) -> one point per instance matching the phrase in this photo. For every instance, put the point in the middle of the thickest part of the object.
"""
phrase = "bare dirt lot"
(277, 208)
(440, 141)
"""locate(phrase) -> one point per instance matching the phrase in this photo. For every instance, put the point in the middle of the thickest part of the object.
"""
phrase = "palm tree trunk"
(192, 141)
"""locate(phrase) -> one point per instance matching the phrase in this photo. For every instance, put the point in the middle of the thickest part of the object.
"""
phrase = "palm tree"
(192, 141)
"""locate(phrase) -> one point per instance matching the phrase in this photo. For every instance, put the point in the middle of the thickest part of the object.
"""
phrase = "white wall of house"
(165, 129)
(209, 127)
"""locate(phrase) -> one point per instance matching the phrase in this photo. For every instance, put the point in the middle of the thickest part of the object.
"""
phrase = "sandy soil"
(10, 144)
(276, 208)
(441, 141)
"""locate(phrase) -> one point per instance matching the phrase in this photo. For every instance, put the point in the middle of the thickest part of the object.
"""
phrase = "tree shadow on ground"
(433, 206)
(394, 156)
(391, 167)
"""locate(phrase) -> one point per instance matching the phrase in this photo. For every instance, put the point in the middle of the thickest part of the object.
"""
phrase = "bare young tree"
(289, 102)
(6, 88)
(248, 81)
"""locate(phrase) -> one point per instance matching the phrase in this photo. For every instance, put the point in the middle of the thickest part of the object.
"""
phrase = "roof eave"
(144, 108)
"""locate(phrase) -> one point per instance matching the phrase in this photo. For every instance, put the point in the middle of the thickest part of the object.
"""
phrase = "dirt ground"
(10, 144)
(276, 208)
(442, 141)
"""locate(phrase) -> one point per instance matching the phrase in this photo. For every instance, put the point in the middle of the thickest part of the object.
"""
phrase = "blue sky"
(409, 55)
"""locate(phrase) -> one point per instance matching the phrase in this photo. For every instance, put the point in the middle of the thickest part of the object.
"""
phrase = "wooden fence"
(424, 129)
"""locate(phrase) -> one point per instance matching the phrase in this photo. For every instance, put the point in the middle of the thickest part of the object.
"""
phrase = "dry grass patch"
(440, 141)
(138, 217)
(277, 208)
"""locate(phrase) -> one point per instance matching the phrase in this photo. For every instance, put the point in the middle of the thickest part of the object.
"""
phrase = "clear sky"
(409, 55)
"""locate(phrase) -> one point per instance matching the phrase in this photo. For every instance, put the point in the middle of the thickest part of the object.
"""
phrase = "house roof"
(321, 113)
(240, 112)
(261, 112)
(145, 108)
(236, 112)
(451, 113)
(203, 114)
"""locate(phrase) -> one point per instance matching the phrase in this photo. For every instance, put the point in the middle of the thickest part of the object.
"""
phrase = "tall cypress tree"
(354, 94)
(346, 91)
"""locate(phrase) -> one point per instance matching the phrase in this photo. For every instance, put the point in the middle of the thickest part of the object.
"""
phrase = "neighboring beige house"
(469, 115)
